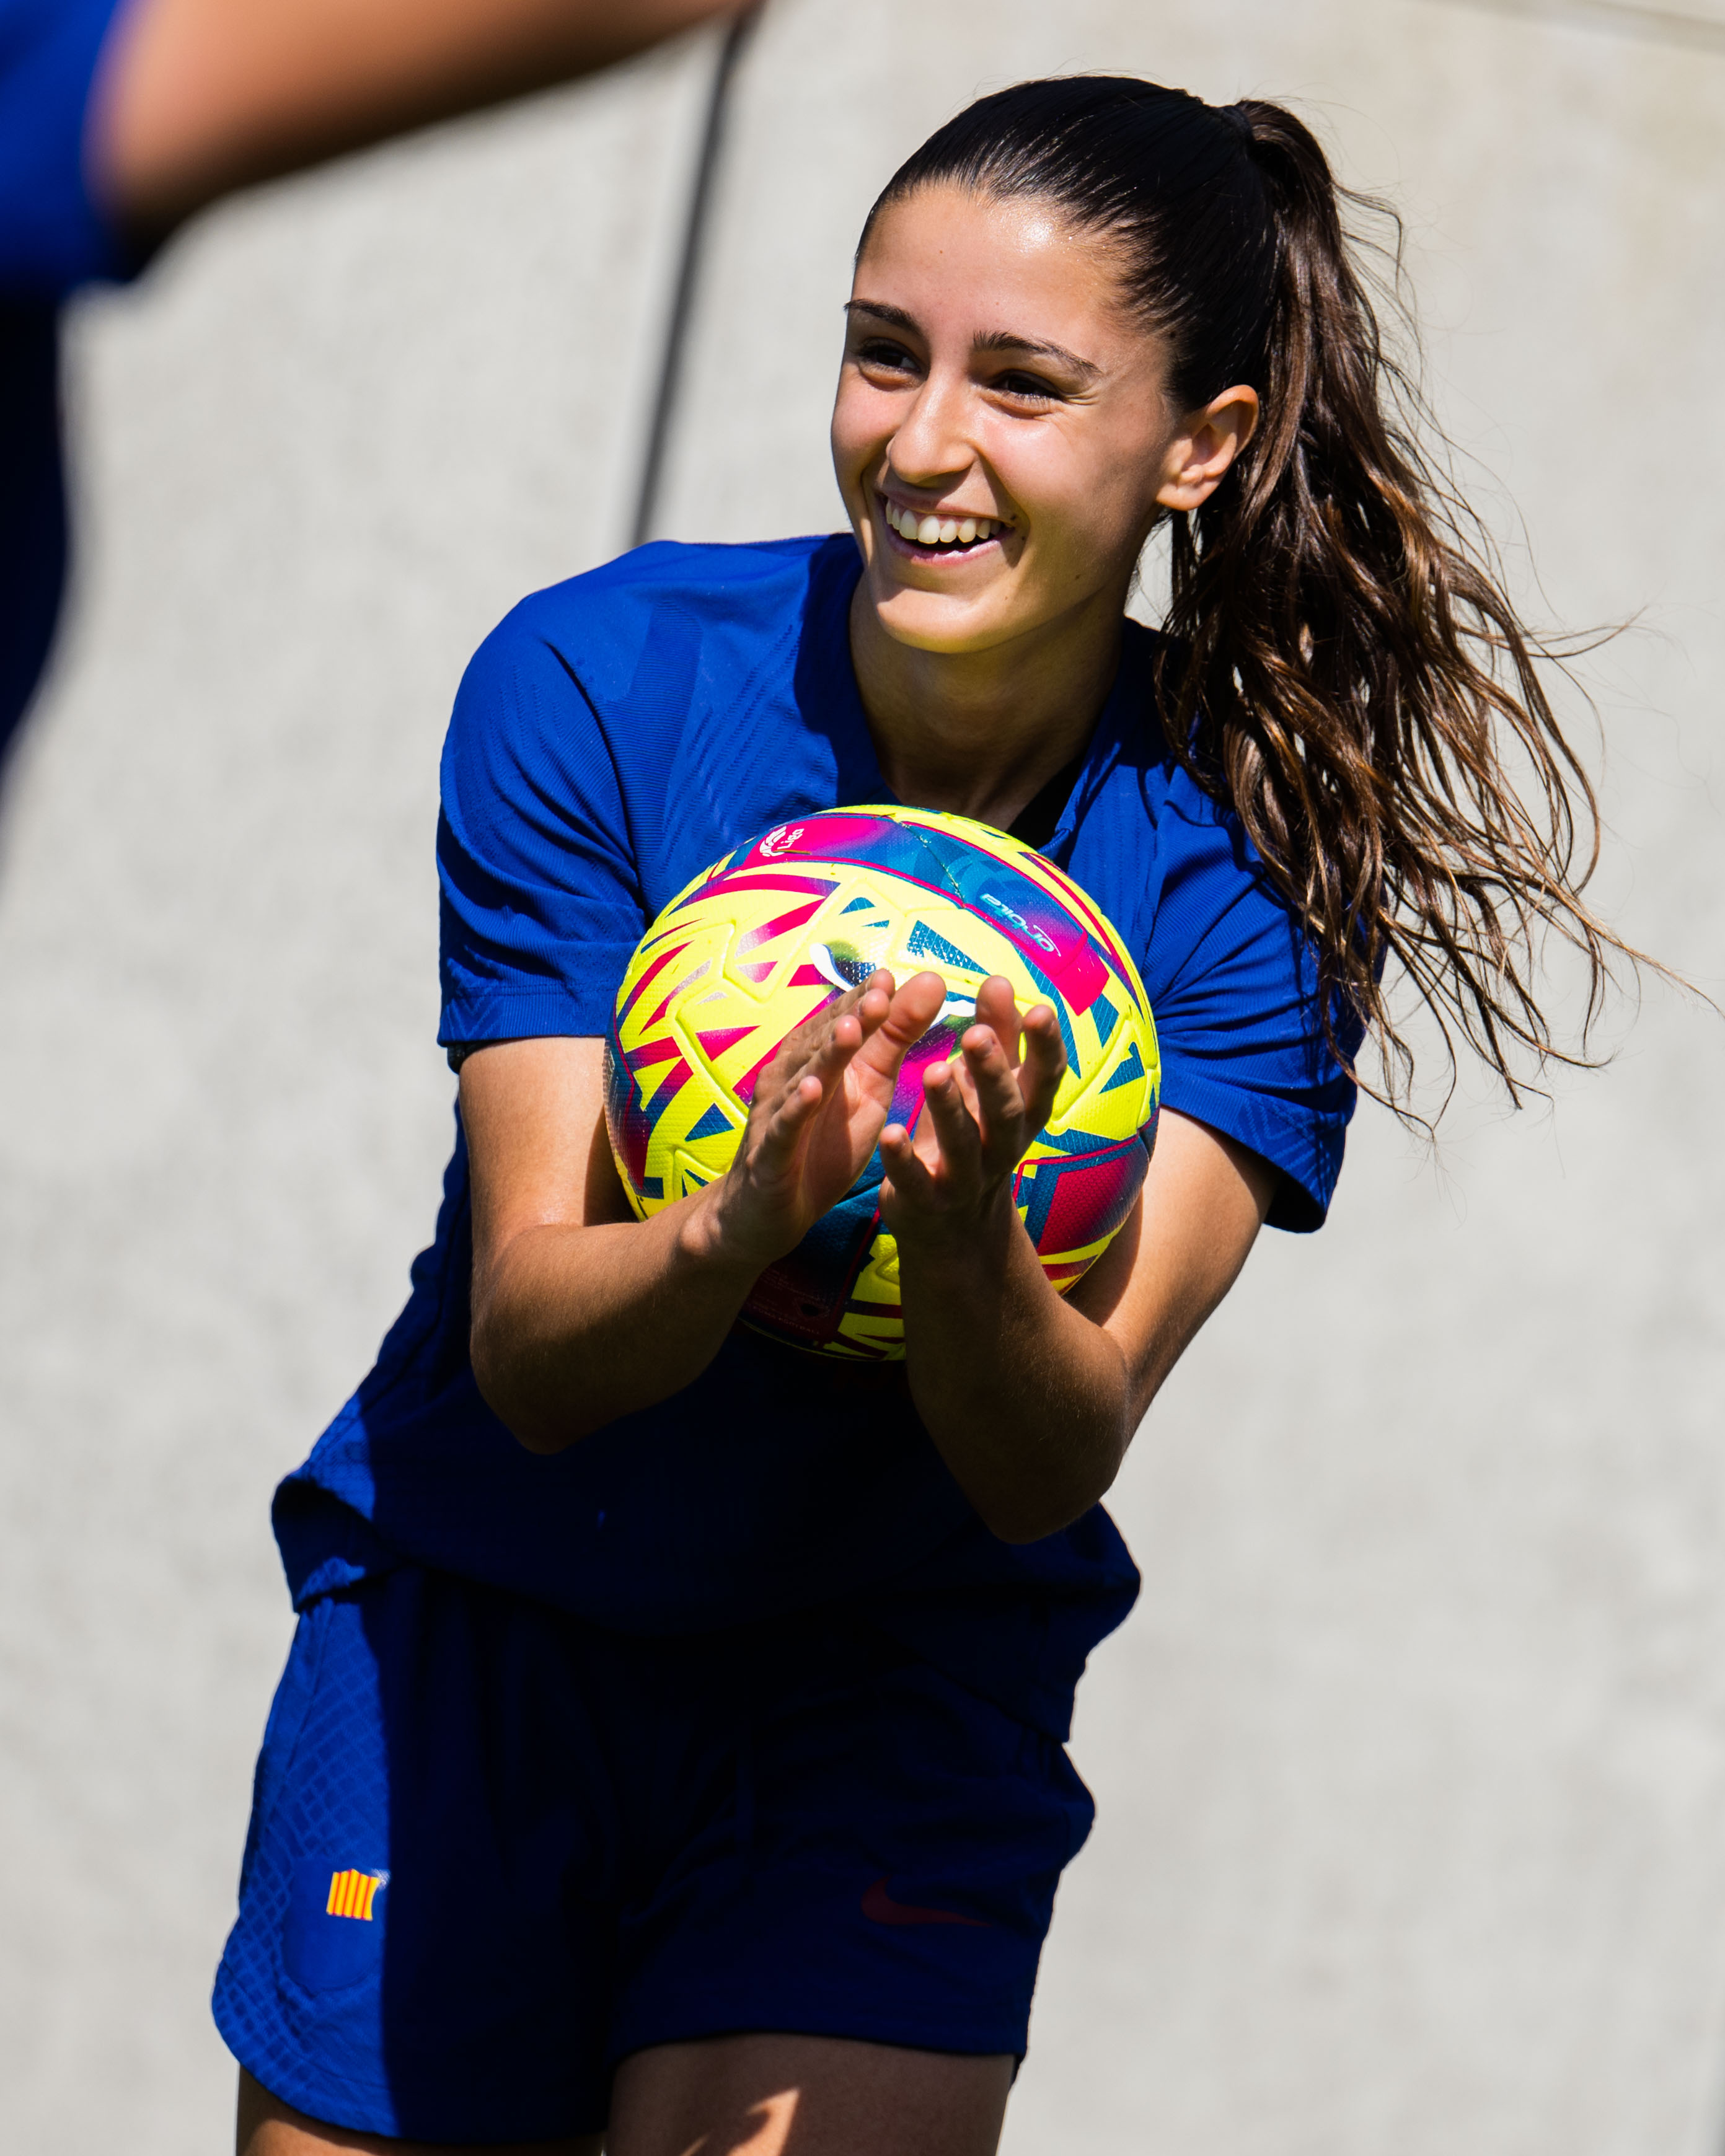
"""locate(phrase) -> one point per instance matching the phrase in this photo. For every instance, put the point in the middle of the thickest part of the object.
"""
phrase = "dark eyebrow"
(878, 308)
(995, 340)
(1037, 348)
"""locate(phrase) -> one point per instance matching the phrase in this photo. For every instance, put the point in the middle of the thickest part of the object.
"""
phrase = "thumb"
(913, 1009)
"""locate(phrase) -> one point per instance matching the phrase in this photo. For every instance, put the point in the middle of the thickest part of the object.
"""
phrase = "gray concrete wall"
(1411, 1763)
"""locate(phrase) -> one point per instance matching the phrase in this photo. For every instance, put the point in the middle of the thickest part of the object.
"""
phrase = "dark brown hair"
(1341, 664)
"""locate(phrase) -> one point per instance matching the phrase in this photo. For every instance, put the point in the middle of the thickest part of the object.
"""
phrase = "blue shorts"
(493, 1848)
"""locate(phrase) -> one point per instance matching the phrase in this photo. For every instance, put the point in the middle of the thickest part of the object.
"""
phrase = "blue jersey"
(52, 237)
(611, 737)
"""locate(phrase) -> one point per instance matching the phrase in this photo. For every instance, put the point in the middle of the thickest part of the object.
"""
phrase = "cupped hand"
(984, 1108)
(819, 1111)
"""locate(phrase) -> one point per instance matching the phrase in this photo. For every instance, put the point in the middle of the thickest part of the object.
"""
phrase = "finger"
(807, 1046)
(1044, 1066)
(961, 1142)
(782, 1130)
(996, 1007)
(906, 1170)
(804, 1040)
(828, 1057)
(1000, 1100)
(876, 1002)
(912, 1009)
(849, 1034)
(779, 1080)
(963, 1072)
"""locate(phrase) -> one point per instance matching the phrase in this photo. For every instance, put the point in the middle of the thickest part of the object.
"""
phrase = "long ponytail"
(1341, 664)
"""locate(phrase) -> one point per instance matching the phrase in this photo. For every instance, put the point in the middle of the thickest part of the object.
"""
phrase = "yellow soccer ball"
(761, 940)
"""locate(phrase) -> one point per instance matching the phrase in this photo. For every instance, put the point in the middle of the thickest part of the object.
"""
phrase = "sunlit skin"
(981, 676)
(993, 369)
(195, 98)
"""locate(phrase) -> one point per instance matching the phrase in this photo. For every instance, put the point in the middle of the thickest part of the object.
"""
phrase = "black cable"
(682, 307)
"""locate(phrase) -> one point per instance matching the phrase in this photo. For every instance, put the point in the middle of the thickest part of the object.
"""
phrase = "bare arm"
(1033, 1398)
(199, 97)
(573, 1299)
(582, 1313)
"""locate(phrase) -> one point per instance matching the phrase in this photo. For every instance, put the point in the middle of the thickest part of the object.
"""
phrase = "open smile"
(938, 538)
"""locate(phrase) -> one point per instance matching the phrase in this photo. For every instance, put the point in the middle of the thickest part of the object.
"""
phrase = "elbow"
(1018, 1524)
(1016, 1529)
(537, 1437)
(1030, 1510)
(1032, 1518)
(507, 1390)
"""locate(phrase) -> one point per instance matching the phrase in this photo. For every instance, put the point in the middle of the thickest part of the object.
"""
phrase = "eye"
(885, 356)
(1025, 387)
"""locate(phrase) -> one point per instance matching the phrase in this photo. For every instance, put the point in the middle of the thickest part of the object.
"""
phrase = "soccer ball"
(765, 938)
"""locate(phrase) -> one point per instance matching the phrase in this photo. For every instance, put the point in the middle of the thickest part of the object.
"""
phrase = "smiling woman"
(691, 1711)
(993, 378)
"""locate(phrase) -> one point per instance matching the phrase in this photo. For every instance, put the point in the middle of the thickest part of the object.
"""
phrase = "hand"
(818, 1113)
(985, 1106)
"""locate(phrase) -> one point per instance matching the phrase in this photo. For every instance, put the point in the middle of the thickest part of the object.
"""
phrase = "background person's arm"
(199, 97)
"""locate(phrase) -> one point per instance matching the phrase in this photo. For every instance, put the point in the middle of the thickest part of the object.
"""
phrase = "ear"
(1208, 441)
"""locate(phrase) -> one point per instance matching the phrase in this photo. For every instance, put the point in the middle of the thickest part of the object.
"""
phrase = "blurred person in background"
(120, 119)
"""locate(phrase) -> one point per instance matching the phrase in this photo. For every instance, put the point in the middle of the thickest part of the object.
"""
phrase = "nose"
(933, 445)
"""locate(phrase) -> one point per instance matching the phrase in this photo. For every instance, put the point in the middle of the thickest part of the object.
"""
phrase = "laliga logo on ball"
(781, 839)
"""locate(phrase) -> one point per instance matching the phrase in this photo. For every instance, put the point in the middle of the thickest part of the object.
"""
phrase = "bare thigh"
(268, 2126)
(804, 2095)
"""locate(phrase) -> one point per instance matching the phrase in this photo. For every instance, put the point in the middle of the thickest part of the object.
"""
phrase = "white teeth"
(940, 531)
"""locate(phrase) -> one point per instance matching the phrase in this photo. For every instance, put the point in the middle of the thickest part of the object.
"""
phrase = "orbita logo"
(780, 839)
(1042, 942)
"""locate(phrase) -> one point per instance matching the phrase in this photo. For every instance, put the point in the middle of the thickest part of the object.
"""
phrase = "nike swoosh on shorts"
(878, 1906)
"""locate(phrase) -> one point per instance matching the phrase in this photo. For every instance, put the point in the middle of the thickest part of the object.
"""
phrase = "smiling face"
(1002, 435)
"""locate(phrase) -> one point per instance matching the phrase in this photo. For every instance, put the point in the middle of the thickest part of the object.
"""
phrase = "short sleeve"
(1233, 983)
(541, 902)
(53, 235)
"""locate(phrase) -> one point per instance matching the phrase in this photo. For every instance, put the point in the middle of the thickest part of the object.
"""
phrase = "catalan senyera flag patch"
(352, 1892)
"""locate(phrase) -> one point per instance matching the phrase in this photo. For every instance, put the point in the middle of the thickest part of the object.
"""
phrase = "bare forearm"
(573, 1327)
(202, 96)
(580, 1314)
(1026, 1400)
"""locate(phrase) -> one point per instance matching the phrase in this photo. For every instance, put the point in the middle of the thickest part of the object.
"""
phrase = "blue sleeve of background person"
(1234, 986)
(52, 238)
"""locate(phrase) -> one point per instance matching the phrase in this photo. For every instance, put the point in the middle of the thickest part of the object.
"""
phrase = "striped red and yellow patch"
(351, 1894)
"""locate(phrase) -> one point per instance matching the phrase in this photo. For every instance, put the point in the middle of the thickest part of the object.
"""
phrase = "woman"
(670, 1754)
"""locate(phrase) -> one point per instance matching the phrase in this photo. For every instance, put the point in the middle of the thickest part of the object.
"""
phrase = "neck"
(980, 733)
